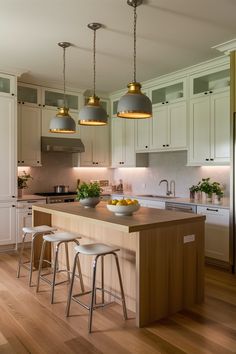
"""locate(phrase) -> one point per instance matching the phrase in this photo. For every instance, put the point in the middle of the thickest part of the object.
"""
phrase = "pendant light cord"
(64, 74)
(135, 25)
(94, 62)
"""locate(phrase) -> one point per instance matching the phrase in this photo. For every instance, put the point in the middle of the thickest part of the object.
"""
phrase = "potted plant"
(22, 182)
(217, 192)
(206, 189)
(195, 191)
(89, 194)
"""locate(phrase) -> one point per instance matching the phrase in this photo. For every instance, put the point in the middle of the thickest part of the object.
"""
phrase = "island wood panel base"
(171, 272)
(161, 274)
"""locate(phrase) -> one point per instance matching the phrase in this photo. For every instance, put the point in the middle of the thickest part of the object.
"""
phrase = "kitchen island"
(161, 254)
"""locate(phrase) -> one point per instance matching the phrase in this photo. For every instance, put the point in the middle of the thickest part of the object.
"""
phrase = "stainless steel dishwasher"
(187, 208)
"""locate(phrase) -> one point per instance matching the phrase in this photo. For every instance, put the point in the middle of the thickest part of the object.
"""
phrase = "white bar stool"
(98, 250)
(58, 238)
(35, 232)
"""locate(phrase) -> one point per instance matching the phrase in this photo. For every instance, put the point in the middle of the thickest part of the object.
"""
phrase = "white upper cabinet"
(29, 135)
(7, 85)
(29, 125)
(210, 119)
(30, 95)
(122, 136)
(96, 142)
(167, 129)
(55, 98)
(8, 148)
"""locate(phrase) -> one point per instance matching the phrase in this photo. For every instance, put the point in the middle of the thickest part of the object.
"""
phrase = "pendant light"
(93, 113)
(134, 104)
(62, 122)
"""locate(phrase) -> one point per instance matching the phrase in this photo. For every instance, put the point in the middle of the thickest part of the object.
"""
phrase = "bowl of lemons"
(123, 207)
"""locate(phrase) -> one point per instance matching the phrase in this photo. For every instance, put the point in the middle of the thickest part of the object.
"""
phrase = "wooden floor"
(29, 324)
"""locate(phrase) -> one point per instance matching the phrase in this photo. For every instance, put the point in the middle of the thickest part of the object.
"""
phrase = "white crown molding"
(13, 71)
(226, 47)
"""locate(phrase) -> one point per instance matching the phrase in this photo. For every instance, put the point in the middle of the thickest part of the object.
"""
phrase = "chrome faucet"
(170, 191)
(172, 187)
(167, 186)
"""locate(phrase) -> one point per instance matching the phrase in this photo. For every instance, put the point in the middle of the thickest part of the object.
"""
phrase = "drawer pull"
(210, 209)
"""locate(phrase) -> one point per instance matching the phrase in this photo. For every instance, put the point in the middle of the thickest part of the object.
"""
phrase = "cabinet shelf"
(166, 94)
(211, 81)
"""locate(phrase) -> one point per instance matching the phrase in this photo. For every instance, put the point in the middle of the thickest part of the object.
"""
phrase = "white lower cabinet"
(24, 215)
(8, 223)
(216, 232)
(152, 203)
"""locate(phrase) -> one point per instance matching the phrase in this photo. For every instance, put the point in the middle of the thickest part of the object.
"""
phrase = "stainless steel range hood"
(51, 144)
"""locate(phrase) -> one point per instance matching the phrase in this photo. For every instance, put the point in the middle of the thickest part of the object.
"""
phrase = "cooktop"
(52, 194)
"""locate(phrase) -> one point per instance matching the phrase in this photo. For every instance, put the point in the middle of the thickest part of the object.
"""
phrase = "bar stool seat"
(34, 232)
(97, 250)
(59, 238)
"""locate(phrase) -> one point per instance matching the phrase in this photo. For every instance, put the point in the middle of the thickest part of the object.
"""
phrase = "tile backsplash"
(57, 169)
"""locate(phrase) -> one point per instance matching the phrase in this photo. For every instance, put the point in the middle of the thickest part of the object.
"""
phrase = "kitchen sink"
(157, 196)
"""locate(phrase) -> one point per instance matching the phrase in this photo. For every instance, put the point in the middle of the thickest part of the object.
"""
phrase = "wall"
(169, 165)
(57, 169)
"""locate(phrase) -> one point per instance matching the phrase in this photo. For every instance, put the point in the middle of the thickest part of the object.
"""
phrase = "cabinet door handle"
(207, 159)
(13, 196)
(163, 145)
(167, 144)
(210, 209)
(29, 213)
(167, 102)
(13, 206)
(22, 161)
(163, 102)
(211, 159)
(210, 91)
(205, 93)
(37, 161)
(146, 146)
(13, 94)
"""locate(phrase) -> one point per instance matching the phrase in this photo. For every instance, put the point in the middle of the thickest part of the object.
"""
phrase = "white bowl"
(123, 209)
(90, 202)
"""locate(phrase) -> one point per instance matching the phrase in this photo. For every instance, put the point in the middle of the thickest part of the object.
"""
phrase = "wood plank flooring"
(30, 324)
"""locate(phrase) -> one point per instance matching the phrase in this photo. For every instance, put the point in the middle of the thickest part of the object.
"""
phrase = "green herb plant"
(217, 189)
(88, 190)
(206, 186)
(23, 179)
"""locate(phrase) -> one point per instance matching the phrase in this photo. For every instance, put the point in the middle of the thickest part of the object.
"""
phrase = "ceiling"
(171, 34)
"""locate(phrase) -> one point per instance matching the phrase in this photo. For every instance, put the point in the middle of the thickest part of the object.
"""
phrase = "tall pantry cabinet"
(8, 186)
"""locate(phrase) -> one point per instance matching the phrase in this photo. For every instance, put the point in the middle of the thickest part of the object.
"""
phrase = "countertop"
(30, 197)
(224, 204)
(143, 219)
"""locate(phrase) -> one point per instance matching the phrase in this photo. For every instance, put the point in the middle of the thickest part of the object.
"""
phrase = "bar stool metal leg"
(21, 255)
(71, 285)
(121, 286)
(40, 264)
(31, 261)
(102, 278)
(67, 261)
(55, 271)
(93, 294)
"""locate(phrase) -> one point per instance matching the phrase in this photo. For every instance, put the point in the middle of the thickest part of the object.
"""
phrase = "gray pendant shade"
(134, 105)
(93, 113)
(62, 123)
